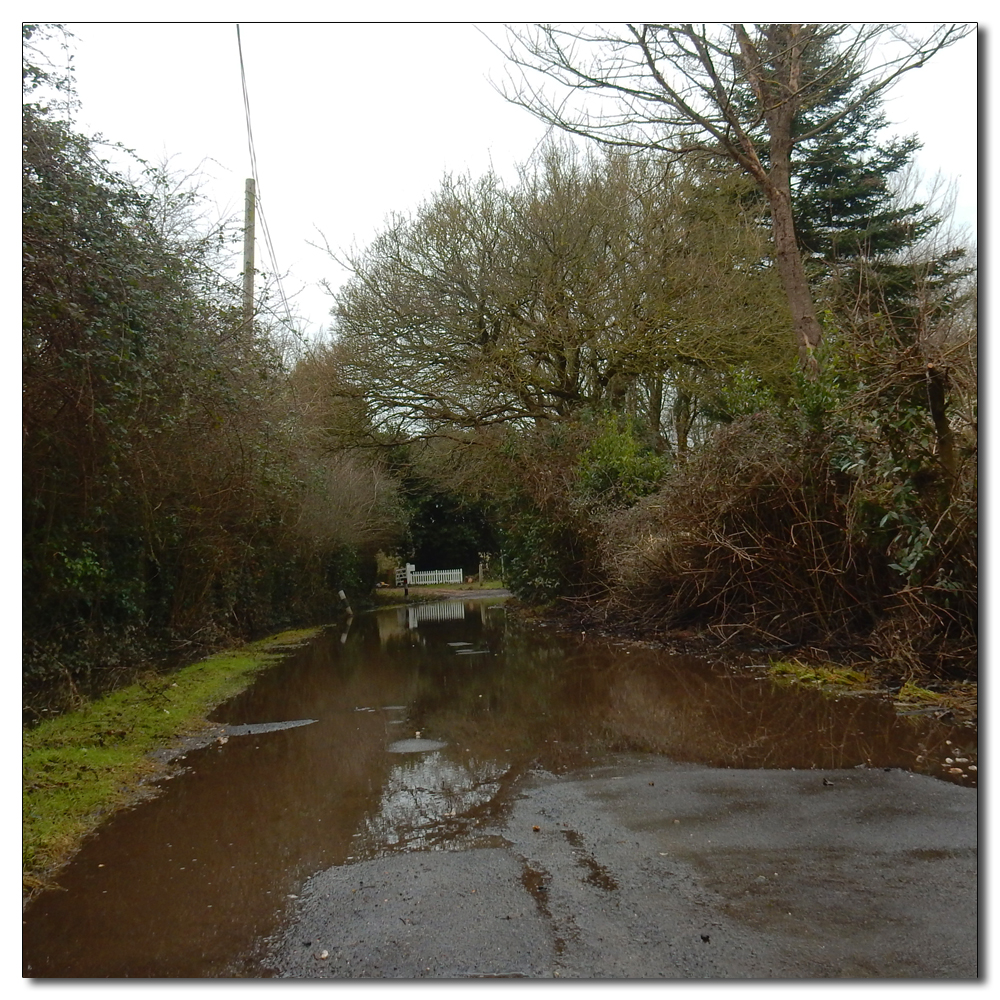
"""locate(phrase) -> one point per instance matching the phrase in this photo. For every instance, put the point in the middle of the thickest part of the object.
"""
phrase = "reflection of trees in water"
(554, 700)
(535, 700)
(714, 717)
(550, 699)
(430, 799)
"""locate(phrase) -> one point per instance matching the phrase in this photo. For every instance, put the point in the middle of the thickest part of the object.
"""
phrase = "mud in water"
(199, 881)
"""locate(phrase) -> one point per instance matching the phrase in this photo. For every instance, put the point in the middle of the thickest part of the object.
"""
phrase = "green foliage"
(742, 391)
(861, 233)
(351, 569)
(616, 469)
(538, 556)
(843, 195)
(872, 419)
(445, 530)
(41, 79)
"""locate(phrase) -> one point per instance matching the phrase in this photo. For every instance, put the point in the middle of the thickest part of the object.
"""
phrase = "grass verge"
(80, 767)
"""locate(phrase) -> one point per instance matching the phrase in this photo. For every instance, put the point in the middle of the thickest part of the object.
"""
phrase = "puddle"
(537, 883)
(414, 746)
(201, 876)
(597, 874)
(254, 729)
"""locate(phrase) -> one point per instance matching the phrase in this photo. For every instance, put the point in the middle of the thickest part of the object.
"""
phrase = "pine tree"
(858, 239)
(843, 194)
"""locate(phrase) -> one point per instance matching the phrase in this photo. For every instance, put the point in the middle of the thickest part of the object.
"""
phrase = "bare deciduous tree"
(746, 93)
(597, 282)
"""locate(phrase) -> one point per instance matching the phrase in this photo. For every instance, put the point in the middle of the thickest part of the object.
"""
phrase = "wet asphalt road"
(644, 869)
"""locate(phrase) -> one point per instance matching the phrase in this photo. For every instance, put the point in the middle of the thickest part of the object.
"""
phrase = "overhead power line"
(253, 173)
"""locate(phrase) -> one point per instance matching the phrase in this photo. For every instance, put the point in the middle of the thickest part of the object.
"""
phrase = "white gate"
(437, 576)
(409, 575)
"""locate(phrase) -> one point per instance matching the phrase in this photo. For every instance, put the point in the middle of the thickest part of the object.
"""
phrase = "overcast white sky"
(354, 121)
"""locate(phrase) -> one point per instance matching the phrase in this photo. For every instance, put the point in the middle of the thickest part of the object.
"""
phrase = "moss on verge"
(960, 698)
(819, 675)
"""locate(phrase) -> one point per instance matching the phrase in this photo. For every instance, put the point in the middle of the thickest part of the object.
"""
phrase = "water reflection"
(192, 883)
(439, 611)
(401, 627)
(428, 801)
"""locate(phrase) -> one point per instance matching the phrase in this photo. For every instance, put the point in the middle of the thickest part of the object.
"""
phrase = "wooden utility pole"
(249, 217)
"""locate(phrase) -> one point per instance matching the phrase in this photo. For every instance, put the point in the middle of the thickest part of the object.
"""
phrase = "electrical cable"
(265, 229)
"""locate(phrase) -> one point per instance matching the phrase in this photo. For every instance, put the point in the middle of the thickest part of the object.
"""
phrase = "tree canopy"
(749, 94)
(593, 283)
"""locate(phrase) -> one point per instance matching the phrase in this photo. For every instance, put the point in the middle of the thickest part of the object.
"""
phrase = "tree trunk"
(808, 332)
(683, 419)
(778, 91)
(656, 415)
(937, 399)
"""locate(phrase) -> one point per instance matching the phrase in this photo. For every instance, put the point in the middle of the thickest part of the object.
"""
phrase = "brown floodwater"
(417, 724)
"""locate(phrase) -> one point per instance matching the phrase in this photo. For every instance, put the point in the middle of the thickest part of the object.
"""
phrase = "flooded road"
(418, 730)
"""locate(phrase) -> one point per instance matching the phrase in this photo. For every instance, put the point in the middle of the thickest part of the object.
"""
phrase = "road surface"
(643, 868)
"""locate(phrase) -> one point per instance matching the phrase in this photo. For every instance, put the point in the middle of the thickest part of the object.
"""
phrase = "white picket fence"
(436, 576)
(407, 575)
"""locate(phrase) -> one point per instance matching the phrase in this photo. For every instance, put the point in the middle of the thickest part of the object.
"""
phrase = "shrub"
(767, 536)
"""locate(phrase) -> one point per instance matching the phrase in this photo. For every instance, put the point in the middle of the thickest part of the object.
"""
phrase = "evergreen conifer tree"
(857, 235)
